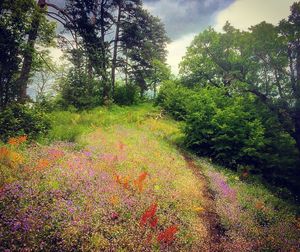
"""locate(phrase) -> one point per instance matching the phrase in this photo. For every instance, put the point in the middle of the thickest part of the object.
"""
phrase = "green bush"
(80, 91)
(18, 120)
(126, 95)
(224, 127)
(237, 131)
(174, 98)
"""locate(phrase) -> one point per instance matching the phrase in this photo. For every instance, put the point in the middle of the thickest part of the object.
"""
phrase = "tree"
(111, 34)
(144, 40)
(92, 20)
(290, 32)
(44, 74)
(255, 61)
(125, 10)
(24, 24)
(160, 73)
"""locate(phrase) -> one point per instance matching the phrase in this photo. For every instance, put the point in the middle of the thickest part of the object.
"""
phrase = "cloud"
(182, 17)
(244, 13)
(241, 14)
(177, 50)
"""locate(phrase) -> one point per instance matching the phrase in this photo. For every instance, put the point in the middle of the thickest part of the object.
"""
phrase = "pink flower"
(114, 216)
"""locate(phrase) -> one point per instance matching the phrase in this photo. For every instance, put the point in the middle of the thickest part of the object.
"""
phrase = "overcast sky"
(186, 18)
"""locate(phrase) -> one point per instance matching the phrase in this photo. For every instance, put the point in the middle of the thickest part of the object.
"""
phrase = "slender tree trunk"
(292, 71)
(115, 50)
(297, 95)
(22, 81)
(126, 69)
(297, 129)
(1, 93)
(106, 88)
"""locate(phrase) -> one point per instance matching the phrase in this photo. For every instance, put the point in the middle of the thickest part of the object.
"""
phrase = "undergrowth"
(111, 179)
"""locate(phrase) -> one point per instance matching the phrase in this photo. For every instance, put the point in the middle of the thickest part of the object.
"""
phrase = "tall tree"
(144, 40)
(160, 72)
(44, 73)
(24, 23)
(290, 31)
(92, 20)
(125, 12)
(255, 62)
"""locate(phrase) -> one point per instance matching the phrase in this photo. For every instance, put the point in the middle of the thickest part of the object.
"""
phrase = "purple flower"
(16, 226)
(221, 186)
(87, 154)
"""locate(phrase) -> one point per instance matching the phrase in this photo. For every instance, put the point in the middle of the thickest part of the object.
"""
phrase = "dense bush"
(224, 127)
(174, 99)
(236, 131)
(126, 95)
(18, 120)
(80, 91)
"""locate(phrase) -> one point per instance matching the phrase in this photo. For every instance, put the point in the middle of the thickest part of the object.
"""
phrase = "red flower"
(118, 179)
(168, 235)
(148, 214)
(153, 222)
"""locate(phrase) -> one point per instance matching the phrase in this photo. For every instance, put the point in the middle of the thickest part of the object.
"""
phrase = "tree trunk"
(297, 130)
(106, 88)
(297, 96)
(22, 81)
(154, 89)
(126, 69)
(115, 51)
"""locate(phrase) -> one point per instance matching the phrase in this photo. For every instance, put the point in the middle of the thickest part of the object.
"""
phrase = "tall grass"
(69, 125)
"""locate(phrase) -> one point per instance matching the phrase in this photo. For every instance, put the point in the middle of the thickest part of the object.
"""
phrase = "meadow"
(115, 179)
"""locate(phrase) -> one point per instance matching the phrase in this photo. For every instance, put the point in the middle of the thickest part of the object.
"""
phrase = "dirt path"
(209, 215)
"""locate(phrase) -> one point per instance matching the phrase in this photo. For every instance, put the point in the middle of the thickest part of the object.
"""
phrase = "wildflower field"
(114, 180)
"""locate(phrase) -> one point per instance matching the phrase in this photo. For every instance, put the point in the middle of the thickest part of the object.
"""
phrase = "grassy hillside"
(114, 180)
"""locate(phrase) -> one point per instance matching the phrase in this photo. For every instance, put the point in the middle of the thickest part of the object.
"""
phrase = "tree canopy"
(101, 39)
(264, 61)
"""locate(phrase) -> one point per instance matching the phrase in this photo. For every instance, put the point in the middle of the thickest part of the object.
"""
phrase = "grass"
(111, 179)
(95, 198)
(68, 126)
(254, 219)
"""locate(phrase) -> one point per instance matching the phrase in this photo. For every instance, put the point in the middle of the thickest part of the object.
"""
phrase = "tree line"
(101, 38)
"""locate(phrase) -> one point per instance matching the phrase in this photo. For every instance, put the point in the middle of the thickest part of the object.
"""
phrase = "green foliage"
(246, 112)
(224, 127)
(126, 95)
(261, 61)
(18, 19)
(144, 41)
(13, 28)
(174, 99)
(237, 131)
(18, 120)
(71, 125)
(80, 91)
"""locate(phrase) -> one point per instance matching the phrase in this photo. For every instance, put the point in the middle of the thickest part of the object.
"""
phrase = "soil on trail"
(215, 231)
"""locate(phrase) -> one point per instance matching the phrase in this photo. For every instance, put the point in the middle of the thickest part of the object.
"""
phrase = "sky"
(184, 19)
